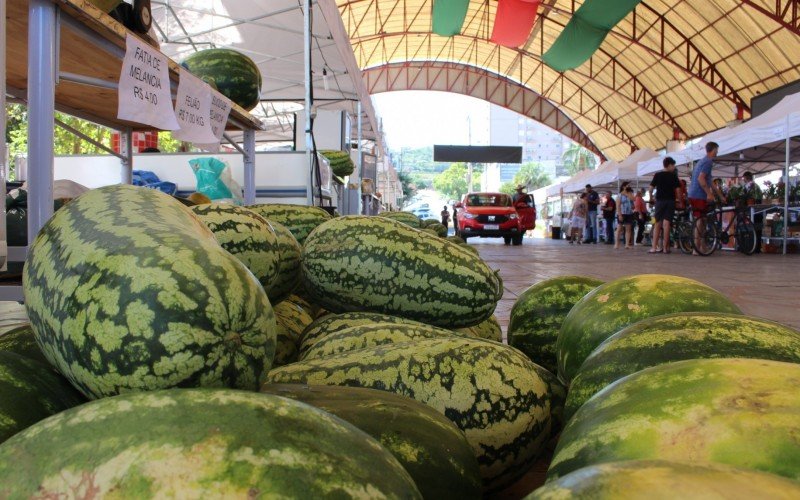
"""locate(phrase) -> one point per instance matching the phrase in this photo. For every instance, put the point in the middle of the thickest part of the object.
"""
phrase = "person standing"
(625, 215)
(455, 220)
(609, 213)
(701, 191)
(667, 190)
(520, 194)
(640, 213)
(445, 217)
(592, 201)
(578, 219)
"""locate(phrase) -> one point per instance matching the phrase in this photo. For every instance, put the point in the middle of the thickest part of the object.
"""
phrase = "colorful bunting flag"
(448, 16)
(514, 21)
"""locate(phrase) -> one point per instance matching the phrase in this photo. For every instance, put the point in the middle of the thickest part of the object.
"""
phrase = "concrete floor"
(764, 285)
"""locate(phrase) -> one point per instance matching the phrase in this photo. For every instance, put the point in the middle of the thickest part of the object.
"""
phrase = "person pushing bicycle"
(702, 190)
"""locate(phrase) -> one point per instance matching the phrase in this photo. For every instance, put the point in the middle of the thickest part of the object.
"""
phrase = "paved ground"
(764, 285)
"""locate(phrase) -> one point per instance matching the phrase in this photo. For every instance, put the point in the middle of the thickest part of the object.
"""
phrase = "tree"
(409, 189)
(509, 188)
(532, 176)
(577, 158)
(452, 183)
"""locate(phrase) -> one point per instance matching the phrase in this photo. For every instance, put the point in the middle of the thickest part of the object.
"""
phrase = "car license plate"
(491, 227)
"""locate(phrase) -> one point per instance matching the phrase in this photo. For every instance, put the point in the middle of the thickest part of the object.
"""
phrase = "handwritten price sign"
(193, 110)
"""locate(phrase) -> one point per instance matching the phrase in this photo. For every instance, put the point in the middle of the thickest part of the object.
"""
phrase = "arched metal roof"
(670, 67)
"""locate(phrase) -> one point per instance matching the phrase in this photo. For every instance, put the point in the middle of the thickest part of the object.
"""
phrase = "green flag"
(448, 16)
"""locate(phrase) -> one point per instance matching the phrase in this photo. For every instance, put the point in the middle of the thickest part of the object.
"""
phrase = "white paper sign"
(144, 92)
(193, 110)
(220, 110)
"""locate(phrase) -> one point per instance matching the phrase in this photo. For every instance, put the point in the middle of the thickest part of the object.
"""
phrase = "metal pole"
(3, 152)
(786, 189)
(249, 167)
(308, 102)
(126, 150)
(42, 57)
(360, 161)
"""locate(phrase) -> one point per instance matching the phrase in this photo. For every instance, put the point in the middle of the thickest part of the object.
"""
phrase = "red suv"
(494, 215)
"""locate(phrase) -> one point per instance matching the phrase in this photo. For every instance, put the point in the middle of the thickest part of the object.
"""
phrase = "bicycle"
(713, 235)
(681, 232)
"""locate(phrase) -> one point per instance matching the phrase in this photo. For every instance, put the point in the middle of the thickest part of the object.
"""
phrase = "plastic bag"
(214, 179)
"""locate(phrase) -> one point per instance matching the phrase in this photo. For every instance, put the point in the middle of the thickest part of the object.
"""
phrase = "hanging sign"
(144, 91)
(193, 110)
(220, 110)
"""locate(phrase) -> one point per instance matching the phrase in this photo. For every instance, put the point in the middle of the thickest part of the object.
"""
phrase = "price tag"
(193, 110)
(144, 92)
(220, 110)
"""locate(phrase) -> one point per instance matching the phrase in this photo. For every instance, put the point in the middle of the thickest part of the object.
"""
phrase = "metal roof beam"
(786, 13)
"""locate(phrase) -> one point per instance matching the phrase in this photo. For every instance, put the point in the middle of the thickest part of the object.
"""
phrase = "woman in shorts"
(578, 219)
(625, 201)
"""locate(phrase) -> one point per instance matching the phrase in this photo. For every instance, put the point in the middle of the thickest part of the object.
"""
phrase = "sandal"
(653, 251)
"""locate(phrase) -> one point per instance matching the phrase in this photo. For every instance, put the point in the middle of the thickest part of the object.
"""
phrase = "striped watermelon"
(739, 412)
(405, 217)
(234, 74)
(127, 290)
(675, 337)
(292, 320)
(490, 391)
(288, 278)
(21, 340)
(198, 443)
(429, 446)
(29, 392)
(441, 229)
(375, 334)
(613, 306)
(374, 264)
(333, 323)
(538, 313)
(246, 235)
(661, 480)
(300, 220)
(489, 329)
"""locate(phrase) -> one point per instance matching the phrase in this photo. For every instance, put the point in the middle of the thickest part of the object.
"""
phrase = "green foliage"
(418, 160)
(508, 188)
(409, 188)
(532, 176)
(577, 158)
(452, 183)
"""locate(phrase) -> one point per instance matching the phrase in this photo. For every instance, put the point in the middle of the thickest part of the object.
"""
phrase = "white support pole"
(360, 162)
(126, 151)
(3, 152)
(249, 142)
(42, 55)
(308, 101)
(786, 189)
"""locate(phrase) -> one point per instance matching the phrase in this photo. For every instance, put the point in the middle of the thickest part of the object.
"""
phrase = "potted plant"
(770, 193)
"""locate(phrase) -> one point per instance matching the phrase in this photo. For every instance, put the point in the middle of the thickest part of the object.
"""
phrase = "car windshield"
(488, 200)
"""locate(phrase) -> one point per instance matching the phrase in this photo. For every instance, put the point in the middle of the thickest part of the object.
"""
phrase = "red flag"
(513, 22)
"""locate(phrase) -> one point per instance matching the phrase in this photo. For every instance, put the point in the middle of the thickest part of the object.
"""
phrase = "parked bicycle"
(711, 232)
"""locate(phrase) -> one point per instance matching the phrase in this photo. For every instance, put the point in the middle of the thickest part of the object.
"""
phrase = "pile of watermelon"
(277, 350)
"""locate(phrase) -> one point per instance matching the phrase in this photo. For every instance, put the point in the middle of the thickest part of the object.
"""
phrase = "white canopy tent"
(611, 173)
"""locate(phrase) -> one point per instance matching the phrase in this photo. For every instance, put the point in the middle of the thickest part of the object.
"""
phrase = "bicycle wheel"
(745, 236)
(705, 243)
(684, 237)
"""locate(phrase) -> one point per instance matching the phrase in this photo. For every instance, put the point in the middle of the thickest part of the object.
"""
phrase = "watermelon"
(21, 340)
(662, 480)
(300, 220)
(198, 443)
(492, 392)
(340, 162)
(738, 412)
(360, 337)
(127, 290)
(288, 278)
(245, 234)
(489, 329)
(429, 446)
(333, 323)
(234, 74)
(675, 337)
(292, 320)
(538, 313)
(405, 217)
(374, 264)
(613, 306)
(29, 392)
(439, 228)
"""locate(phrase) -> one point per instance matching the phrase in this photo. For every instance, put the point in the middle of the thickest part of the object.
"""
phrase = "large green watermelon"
(662, 480)
(431, 448)
(21, 340)
(404, 217)
(538, 313)
(611, 307)
(292, 320)
(288, 278)
(360, 337)
(739, 412)
(29, 392)
(489, 329)
(199, 443)
(333, 323)
(246, 235)
(375, 264)
(300, 220)
(675, 337)
(127, 290)
(234, 74)
(492, 392)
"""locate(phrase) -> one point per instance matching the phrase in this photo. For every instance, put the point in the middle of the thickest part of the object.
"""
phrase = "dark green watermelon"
(234, 74)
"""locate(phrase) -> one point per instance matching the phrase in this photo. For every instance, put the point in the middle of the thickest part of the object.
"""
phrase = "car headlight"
(513, 216)
(469, 216)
